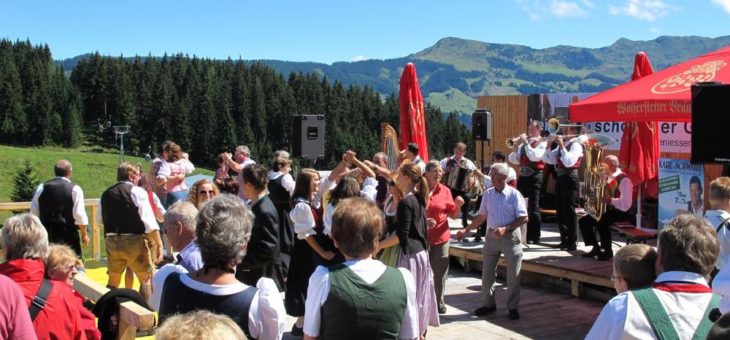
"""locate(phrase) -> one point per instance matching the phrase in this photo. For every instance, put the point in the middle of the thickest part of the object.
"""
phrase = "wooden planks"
(131, 315)
(545, 260)
(509, 119)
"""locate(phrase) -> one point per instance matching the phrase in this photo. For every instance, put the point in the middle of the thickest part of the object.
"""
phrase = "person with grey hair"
(240, 159)
(620, 207)
(25, 247)
(677, 304)
(223, 229)
(59, 203)
(504, 210)
(179, 226)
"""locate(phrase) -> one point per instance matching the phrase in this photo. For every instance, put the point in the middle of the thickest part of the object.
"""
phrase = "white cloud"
(359, 58)
(648, 10)
(725, 4)
(537, 10)
(566, 9)
(653, 30)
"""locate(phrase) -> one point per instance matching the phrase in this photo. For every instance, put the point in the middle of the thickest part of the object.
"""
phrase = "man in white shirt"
(528, 155)
(504, 210)
(132, 236)
(677, 304)
(411, 154)
(59, 204)
(450, 164)
(719, 216)
(240, 159)
(620, 207)
(567, 158)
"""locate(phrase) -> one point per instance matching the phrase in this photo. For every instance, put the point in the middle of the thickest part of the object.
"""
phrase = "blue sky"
(329, 31)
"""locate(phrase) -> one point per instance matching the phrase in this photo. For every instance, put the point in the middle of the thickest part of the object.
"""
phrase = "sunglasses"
(204, 192)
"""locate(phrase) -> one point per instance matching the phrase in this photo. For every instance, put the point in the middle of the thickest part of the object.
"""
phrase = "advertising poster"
(542, 107)
(673, 136)
(680, 188)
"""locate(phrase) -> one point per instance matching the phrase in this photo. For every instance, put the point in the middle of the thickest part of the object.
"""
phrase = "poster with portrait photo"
(542, 107)
(680, 188)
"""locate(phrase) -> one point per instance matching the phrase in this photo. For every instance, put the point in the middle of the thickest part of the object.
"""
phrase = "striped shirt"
(502, 208)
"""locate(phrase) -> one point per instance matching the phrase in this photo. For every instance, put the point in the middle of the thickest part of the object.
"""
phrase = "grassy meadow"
(93, 169)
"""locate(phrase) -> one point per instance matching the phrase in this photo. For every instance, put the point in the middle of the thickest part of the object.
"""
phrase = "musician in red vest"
(567, 158)
(529, 156)
(620, 207)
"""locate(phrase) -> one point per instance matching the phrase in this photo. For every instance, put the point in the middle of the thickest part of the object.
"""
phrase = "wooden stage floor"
(546, 259)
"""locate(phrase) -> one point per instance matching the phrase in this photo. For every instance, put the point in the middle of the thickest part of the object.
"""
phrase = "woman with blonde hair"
(63, 265)
(201, 192)
(412, 238)
(200, 324)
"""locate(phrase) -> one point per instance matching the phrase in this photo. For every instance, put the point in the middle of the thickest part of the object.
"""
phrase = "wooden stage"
(547, 261)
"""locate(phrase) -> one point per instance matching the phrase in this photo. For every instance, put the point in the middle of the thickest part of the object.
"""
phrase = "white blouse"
(303, 220)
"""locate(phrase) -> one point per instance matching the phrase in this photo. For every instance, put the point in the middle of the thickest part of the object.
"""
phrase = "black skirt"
(304, 261)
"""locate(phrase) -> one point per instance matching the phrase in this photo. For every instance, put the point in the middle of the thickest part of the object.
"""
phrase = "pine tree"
(26, 181)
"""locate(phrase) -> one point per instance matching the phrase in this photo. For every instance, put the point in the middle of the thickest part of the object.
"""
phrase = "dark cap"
(498, 155)
(413, 148)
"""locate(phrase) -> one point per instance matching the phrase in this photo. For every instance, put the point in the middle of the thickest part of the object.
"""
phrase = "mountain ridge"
(454, 71)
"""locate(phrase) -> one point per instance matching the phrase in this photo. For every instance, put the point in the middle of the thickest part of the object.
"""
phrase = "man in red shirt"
(25, 242)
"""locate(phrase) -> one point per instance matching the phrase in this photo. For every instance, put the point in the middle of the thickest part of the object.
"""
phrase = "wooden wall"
(509, 119)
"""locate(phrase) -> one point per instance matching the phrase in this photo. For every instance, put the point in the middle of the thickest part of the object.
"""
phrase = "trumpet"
(554, 126)
(511, 142)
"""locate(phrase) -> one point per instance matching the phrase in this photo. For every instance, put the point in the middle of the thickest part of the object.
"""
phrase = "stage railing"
(95, 233)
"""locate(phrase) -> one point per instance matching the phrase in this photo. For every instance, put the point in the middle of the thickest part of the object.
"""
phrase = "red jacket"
(61, 317)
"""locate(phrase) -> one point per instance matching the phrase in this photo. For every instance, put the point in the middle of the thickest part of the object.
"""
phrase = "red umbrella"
(412, 112)
(639, 151)
(662, 96)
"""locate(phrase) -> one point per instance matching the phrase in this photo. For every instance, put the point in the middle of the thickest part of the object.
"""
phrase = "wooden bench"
(132, 317)
(634, 234)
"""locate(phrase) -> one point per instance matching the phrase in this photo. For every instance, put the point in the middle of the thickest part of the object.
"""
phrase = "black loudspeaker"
(308, 136)
(481, 124)
(710, 122)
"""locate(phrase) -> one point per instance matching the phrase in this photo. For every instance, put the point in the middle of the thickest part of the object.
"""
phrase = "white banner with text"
(673, 136)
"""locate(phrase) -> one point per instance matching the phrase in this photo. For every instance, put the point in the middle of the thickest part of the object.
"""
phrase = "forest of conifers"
(207, 106)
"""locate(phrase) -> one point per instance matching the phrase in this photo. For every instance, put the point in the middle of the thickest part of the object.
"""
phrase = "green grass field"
(92, 170)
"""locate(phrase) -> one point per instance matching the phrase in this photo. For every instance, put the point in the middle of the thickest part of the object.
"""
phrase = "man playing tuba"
(618, 197)
(529, 156)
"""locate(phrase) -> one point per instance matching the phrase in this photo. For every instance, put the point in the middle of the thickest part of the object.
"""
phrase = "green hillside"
(94, 171)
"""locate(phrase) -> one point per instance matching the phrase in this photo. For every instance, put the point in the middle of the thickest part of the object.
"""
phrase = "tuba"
(594, 176)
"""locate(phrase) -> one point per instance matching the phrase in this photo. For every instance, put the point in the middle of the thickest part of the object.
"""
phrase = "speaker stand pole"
(481, 155)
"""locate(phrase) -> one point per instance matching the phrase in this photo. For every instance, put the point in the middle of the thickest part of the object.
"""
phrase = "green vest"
(355, 309)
